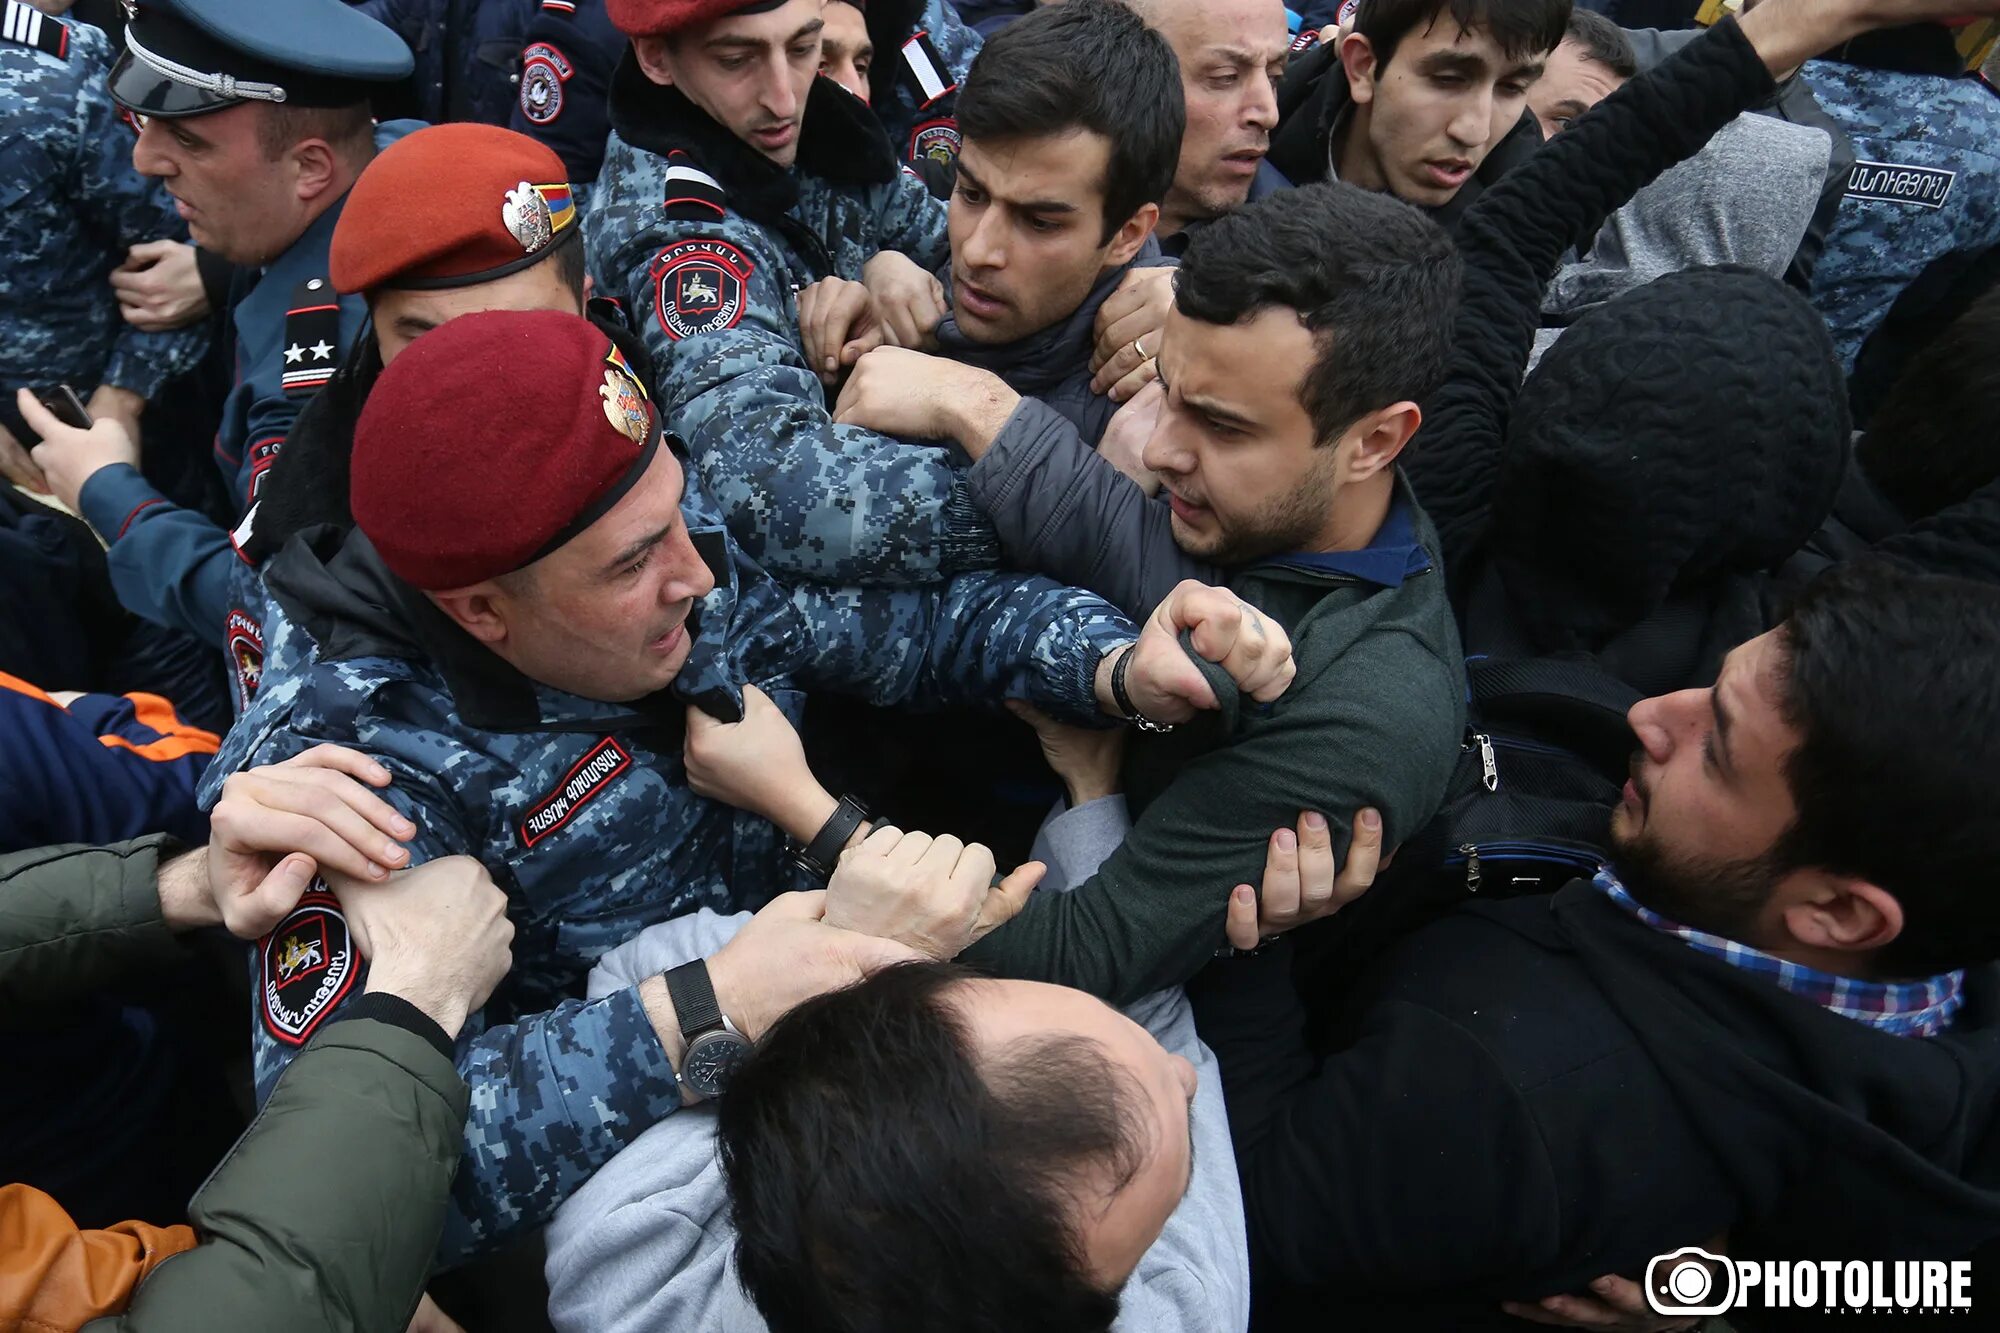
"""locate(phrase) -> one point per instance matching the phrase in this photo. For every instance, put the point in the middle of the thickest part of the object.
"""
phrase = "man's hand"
(1787, 33)
(1300, 884)
(438, 936)
(1165, 686)
(894, 391)
(68, 457)
(1123, 444)
(757, 765)
(838, 323)
(1087, 759)
(910, 301)
(783, 956)
(1612, 1302)
(159, 286)
(430, 1319)
(17, 467)
(121, 405)
(279, 825)
(1128, 333)
(935, 895)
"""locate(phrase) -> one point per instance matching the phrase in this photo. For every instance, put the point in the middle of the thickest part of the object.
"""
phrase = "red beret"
(658, 18)
(492, 440)
(451, 206)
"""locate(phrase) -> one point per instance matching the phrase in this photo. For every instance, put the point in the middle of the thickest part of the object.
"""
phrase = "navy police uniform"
(565, 81)
(467, 54)
(287, 329)
(923, 50)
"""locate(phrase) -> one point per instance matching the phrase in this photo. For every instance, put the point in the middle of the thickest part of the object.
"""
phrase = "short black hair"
(1603, 41)
(1892, 680)
(1936, 437)
(569, 262)
(882, 1180)
(1086, 65)
(1522, 28)
(1373, 278)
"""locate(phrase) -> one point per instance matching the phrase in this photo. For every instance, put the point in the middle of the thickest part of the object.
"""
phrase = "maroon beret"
(492, 440)
(659, 18)
(451, 206)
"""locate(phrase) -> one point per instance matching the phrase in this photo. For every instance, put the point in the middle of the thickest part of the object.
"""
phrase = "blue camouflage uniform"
(582, 812)
(922, 53)
(708, 243)
(1925, 187)
(70, 205)
(289, 331)
(565, 78)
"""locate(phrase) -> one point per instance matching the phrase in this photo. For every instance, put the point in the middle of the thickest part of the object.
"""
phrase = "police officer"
(257, 119)
(466, 55)
(534, 591)
(70, 205)
(565, 78)
(736, 178)
(1924, 190)
(924, 51)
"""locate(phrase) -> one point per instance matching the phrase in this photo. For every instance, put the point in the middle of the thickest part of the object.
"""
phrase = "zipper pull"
(1489, 768)
(1472, 875)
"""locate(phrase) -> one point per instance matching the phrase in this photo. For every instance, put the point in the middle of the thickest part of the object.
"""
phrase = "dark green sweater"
(1374, 717)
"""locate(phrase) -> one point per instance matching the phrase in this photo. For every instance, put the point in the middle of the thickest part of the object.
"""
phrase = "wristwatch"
(818, 857)
(714, 1047)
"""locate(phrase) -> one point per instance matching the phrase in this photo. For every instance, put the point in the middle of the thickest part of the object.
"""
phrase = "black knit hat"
(1691, 429)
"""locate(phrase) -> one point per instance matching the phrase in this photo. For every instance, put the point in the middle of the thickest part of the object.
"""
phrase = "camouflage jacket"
(288, 331)
(923, 50)
(70, 205)
(583, 814)
(1925, 187)
(709, 243)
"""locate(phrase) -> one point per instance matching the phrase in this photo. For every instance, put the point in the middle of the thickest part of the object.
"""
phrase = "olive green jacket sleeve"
(73, 919)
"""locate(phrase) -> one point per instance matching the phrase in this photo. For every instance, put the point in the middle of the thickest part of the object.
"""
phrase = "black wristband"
(393, 1009)
(818, 857)
(1124, 700)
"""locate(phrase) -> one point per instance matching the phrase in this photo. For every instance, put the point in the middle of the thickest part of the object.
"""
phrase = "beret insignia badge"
(625, 405)
(527, 218)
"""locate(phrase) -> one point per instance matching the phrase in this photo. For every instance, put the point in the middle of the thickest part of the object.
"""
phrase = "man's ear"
(651, 53)
(1840, 913)
(1127, 240)
(1374, 442)
(1357, 57)
(476, 610)
(317, 168)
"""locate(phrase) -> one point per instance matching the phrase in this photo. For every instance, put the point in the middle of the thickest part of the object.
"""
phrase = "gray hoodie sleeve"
(1063, 510)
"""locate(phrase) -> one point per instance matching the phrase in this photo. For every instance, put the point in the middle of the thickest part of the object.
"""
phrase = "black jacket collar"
(839, 141)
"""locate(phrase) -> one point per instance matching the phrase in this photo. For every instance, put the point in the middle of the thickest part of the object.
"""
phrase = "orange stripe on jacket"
(177, 738)
(53, 1275)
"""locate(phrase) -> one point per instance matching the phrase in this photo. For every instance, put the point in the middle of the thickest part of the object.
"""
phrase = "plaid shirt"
(1899, 1008)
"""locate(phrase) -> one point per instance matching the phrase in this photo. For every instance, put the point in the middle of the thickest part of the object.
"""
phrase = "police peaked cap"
(190, 57)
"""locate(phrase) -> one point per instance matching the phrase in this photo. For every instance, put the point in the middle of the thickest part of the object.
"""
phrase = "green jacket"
(1375, 717)
(327, 1211)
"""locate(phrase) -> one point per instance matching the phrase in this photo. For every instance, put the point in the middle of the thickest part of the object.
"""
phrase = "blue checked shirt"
(1899, 1008)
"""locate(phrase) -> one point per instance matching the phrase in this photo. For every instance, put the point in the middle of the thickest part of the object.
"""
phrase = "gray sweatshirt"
(646, 1244)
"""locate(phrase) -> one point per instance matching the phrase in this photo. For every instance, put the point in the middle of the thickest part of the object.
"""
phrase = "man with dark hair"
(258, 120)
(1592, 60)
(1424, 99)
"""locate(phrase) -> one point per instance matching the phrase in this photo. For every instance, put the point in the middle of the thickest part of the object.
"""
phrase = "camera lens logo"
(1690, 1281)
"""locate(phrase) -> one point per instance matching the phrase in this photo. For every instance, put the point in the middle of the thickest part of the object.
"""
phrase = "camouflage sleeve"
(805, 497)
(122, 208)
(555, 1095)
(912, 220)
(982, 638)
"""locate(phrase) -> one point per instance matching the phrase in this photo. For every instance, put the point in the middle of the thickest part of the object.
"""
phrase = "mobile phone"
(67, 408)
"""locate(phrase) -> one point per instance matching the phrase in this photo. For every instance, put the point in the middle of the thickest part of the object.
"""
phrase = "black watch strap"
(1124, 700)
(819, 856)
(693, 995)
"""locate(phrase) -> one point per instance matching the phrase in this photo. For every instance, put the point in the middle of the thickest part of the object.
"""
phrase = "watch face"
(711, 1059)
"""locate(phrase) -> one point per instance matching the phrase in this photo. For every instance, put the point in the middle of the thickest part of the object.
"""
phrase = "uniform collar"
(1391, 556)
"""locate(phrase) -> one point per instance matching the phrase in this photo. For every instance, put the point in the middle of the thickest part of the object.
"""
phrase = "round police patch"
(541, 92)
(245, 640)
(306, 967)
(937, 140)
(703, 287)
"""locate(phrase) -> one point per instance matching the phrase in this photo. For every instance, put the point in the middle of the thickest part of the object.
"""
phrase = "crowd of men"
(1426, 568)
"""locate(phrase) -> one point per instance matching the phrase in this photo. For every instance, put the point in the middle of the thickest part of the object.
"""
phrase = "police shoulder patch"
(244, 638)
(936, 141)
(25, 25)
(312, 338)
(307, 967)
(702, 287)
(544, 71)
(585, 781)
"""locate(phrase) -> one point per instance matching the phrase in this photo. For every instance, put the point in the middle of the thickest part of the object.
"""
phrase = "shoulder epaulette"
(560, 6)
(692, 195)
(24, 25)
(925, 70)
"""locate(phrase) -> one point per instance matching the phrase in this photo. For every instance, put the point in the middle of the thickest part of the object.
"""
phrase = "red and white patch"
(306, 967)
(703, 287)
(937, 140)
(585, 781)
(544, 71)
(244, 638)
(262, 455)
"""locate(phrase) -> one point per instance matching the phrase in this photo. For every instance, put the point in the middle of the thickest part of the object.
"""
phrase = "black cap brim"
(144, 91)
